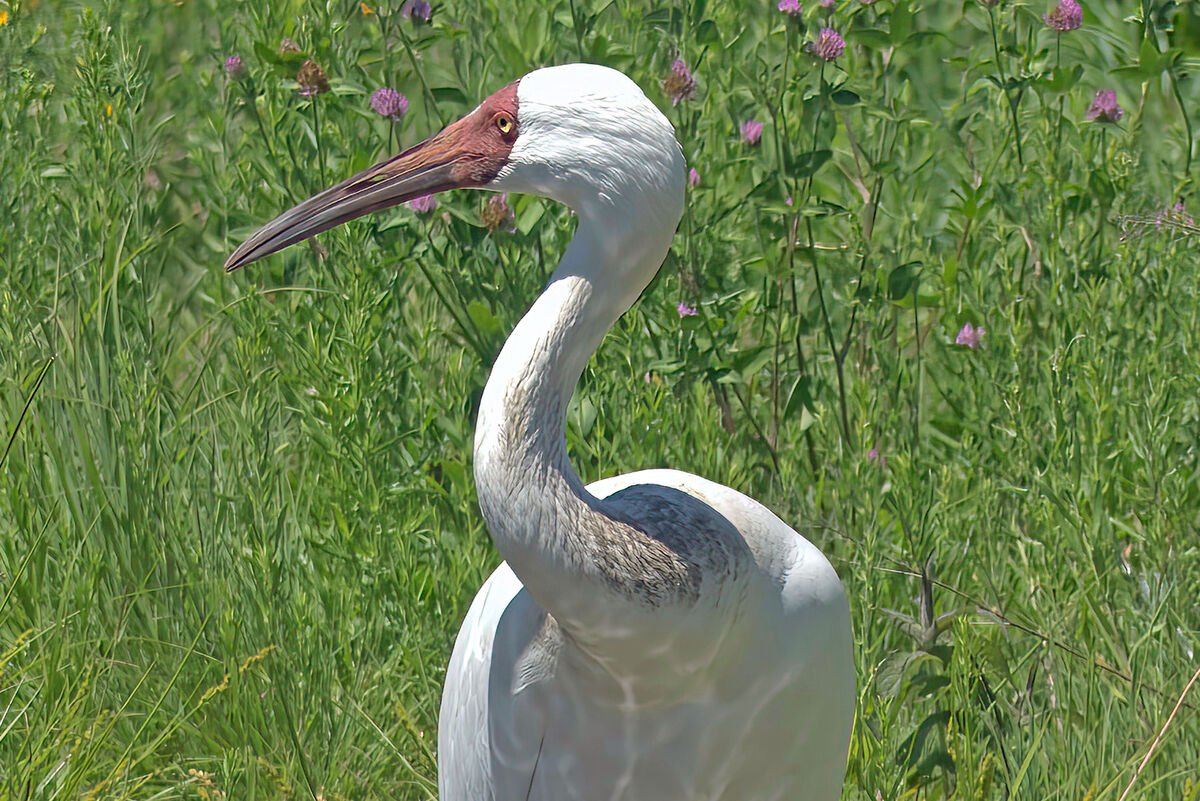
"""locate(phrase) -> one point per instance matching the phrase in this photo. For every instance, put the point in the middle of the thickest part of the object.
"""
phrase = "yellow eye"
(504, 124)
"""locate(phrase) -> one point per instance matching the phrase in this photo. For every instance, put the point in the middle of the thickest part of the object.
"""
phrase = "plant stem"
(1012, 107)
(833, 348)
(430, 100)
(801, 363)
(1061, 101)
(575, 26)
(317, 132)
(1187, 122)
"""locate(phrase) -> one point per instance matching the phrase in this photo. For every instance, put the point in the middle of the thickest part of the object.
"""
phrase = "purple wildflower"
(289, 48)
(828, 46)
(686, 310)
(416, 11)
(423, 204)
(234, 67)
(873, 455)
(312, 79)
(970, 336)
(1173, 214)
(791, 7)
(827, 3)
(1104, 107)
(693, 179)
(389, 103)
(752, 132)
(680, 84)
(496, 212)
(1066, 16)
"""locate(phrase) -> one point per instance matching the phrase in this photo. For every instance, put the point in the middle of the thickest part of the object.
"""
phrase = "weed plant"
(934, 301)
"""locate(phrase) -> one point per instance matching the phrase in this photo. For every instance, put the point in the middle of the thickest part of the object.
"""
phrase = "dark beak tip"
(240, 257)
(423, 169)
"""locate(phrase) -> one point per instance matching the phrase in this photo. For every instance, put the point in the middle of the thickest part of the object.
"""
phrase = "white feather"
(651, 636)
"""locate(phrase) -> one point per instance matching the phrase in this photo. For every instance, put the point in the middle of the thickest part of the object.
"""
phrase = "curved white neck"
(545, 523)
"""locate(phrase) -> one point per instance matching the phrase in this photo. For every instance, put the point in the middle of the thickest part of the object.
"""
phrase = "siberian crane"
(651, 636)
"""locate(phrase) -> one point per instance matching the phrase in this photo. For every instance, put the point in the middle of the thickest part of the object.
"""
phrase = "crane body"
(753, 711)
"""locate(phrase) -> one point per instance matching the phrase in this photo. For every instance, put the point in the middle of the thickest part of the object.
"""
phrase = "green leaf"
(1149, 61)
(1129, 70)
(583, 413)
(663, 17)
(1101, 187)
(870, 38)
(1063, 79)
(707, 33)
(822, 208)
(1034, 750)
(910, 751)
(1077, 203)
(483, 318)
(806, 164)
(807, 418)
(950, 270)
(799, 397)
(449, 94)
(844, 97)
(530, 215)
(939, 758)
(451, 473)
(750, 362)
(901, 22)
(903, 279)
(1185, 28)
(890, 677)
(281, 63)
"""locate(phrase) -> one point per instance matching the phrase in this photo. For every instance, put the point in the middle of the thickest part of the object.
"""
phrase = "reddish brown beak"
(421, 170)
(469, 152)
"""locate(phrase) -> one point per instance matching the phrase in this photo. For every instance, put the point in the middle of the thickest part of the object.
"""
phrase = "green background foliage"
(237, 521)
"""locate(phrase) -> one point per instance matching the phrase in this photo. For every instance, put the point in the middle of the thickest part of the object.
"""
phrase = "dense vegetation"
(237, 521)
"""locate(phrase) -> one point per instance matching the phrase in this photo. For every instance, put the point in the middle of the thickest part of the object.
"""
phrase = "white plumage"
(651, 636)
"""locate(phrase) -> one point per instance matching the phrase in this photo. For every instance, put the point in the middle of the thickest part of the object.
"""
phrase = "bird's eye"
(504, 123)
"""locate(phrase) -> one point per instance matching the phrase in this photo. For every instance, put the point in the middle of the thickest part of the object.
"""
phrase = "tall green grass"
(237, 522)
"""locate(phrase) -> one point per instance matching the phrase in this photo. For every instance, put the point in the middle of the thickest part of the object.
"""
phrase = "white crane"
(652, 636)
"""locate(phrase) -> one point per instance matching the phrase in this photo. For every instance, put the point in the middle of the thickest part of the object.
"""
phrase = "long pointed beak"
(421, 170)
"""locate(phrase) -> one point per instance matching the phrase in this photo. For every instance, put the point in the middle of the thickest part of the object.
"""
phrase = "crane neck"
(554, 534)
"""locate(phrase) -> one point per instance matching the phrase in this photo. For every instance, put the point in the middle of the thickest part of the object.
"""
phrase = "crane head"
(581, 134)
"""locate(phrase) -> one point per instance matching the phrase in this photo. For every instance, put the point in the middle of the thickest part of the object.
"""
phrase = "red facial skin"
(480, 144)
(466, 153)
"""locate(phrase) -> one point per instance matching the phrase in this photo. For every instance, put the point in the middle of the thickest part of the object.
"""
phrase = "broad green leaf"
(900, 22)
(483, 318)
(708, 34)
(1149, 60)
(903, 279)
(449, 94)
(806, 164)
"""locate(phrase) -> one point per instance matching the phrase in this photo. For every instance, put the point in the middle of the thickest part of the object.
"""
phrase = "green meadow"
(238, 528)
